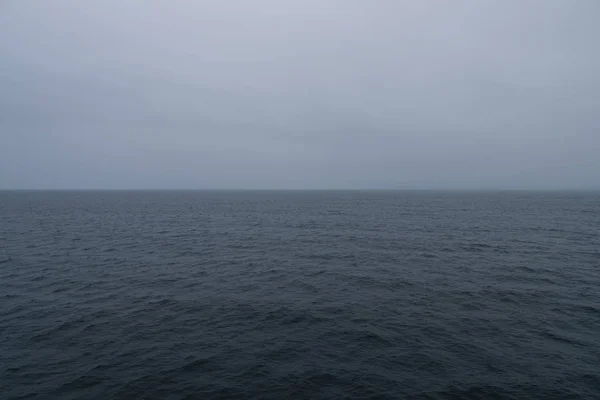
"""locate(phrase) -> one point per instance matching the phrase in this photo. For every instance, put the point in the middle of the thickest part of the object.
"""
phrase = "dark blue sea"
(301, 295)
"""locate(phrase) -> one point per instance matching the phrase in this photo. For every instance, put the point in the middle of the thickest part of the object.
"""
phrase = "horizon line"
(299, 189)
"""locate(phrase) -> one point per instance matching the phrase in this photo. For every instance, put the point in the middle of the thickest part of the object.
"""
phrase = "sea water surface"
(316, 294)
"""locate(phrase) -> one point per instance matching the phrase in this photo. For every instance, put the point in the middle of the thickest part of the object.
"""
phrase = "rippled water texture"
(170, 295)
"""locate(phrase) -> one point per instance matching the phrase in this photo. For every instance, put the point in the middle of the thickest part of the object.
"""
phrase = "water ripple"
(118, 295)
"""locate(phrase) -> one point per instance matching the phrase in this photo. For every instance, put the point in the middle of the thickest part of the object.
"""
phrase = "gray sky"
(300, 94)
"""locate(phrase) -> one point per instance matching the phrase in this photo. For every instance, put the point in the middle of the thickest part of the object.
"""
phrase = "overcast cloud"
(300, 94)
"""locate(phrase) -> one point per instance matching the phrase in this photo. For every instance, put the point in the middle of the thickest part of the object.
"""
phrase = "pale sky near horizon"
(473, 94)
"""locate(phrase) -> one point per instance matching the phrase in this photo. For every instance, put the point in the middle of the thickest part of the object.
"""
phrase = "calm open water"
(172, 295)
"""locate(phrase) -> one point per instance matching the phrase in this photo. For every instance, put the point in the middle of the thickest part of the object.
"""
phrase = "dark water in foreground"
(170, 295)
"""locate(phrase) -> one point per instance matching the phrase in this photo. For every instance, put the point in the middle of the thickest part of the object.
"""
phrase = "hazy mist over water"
(484, 285)
(299, 94)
